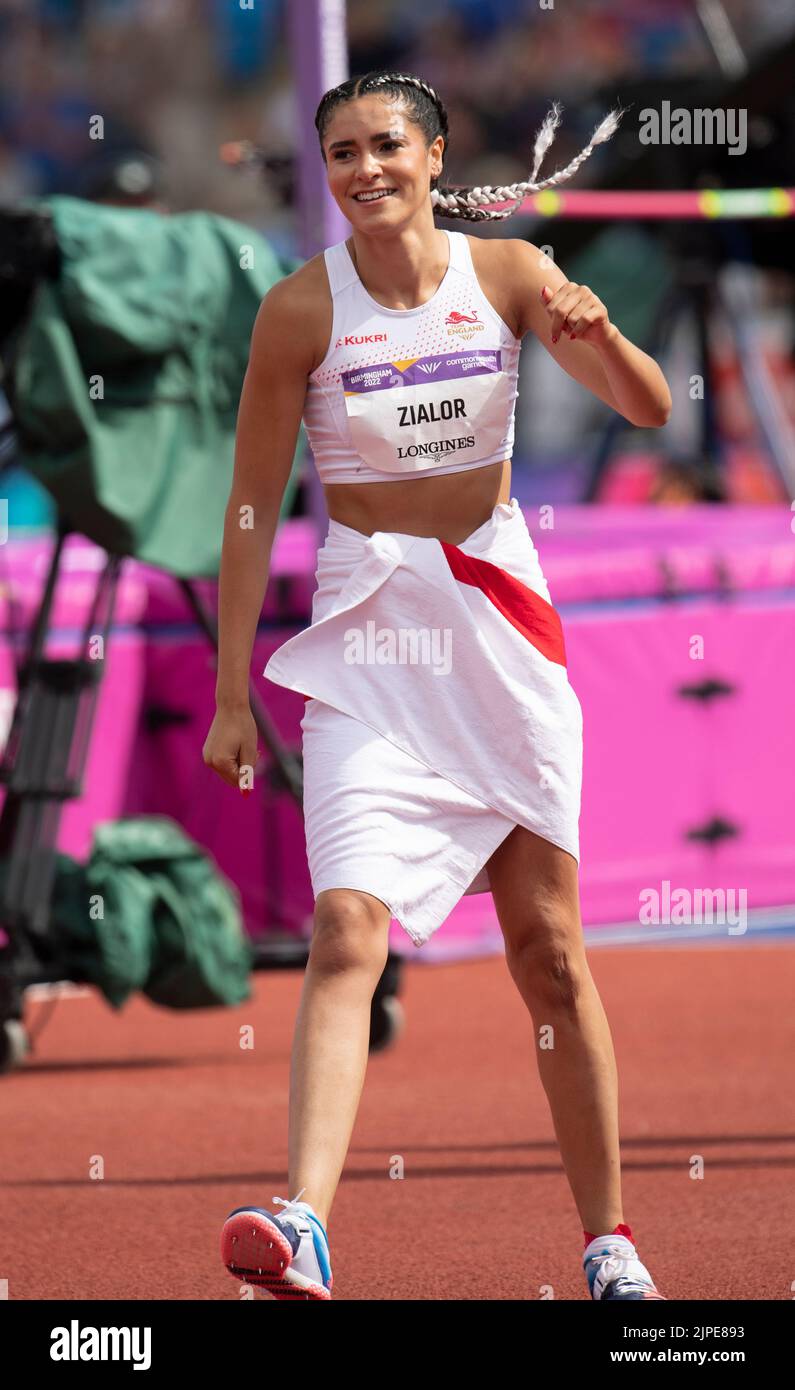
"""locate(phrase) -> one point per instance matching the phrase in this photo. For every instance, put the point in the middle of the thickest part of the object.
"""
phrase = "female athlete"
(442, 741)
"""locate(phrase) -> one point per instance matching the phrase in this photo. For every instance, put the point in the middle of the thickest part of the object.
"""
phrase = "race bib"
(412, 415)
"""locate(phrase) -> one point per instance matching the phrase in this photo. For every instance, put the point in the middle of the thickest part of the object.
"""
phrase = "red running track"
(190, 1126)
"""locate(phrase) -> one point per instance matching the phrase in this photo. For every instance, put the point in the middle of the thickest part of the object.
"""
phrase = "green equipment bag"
(151, 911)
(127, 374)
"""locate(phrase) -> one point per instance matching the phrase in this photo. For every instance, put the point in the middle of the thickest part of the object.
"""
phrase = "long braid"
(473, 204)
(468, 202)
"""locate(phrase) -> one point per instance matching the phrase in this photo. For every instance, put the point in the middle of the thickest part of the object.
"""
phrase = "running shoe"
(284, 1254)
(613, 1270)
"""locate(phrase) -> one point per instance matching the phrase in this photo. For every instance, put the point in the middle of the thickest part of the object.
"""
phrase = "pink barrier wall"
(699, 792)
(659, 767)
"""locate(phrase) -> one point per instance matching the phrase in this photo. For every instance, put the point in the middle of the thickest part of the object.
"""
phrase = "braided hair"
(427, 111)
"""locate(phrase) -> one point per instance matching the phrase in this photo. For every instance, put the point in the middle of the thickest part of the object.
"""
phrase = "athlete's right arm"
(269, 417)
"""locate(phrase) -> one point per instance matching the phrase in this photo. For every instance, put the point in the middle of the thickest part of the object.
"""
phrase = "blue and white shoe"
(286, 1255)
(613, 1270)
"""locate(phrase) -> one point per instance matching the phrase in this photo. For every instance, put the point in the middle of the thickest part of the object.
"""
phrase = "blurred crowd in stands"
(175, 79)
(178, 77)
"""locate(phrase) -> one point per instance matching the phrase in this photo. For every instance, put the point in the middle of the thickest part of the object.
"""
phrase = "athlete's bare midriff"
(448, 506)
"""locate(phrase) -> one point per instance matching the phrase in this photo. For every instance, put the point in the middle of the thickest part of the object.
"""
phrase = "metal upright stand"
(697, 293)
(42, 767)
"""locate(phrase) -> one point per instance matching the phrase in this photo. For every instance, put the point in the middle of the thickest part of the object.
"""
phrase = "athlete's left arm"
(598, 356)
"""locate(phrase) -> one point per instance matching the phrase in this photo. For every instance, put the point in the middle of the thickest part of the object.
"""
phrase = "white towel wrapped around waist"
(441, 713)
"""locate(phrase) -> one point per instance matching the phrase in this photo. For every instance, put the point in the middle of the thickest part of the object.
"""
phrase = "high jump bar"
(706, 204)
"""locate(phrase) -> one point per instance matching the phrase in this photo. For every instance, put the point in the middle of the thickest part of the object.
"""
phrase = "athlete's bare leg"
(331, 1040)
(536, 894)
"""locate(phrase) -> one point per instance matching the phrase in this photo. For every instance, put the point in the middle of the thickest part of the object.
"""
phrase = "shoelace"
(293, 1217)
(613, 1266)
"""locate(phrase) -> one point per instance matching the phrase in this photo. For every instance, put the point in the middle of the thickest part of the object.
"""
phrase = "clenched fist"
(574, 309)
(230, 748)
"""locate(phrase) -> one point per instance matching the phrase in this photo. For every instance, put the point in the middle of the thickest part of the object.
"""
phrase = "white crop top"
(404, 393)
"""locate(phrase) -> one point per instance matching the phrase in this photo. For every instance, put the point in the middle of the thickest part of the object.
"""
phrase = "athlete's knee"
(350, 931)
(546, 958)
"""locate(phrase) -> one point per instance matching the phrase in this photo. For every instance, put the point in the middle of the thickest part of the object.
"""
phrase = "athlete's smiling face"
(373, 144)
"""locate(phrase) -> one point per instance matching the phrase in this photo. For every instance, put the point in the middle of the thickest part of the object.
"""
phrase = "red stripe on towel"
(526, 610)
